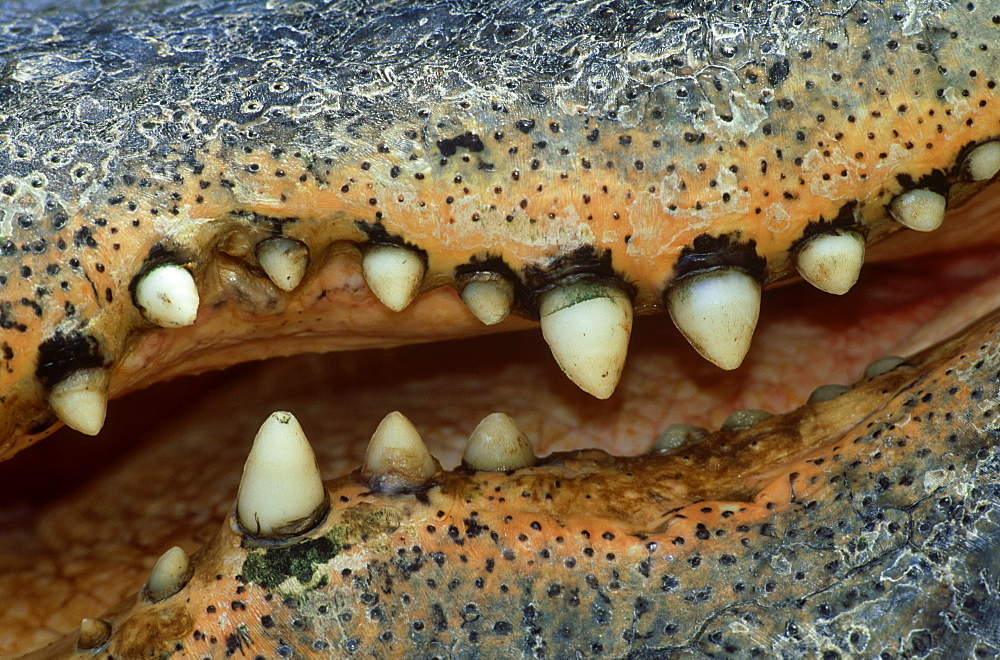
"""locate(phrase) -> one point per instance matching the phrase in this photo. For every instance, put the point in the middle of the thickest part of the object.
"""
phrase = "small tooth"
(393, 274)
(169, 575)
(498, 445)
(281, 493)
(832, 262)
(741, 420)
(919, 209)
(168, 296)
(284, 260)
(94, 633)
(883, 365)
(717, 312)
(397, 457)
(827, 393)
(587, 325)
(676, 436)
(489, 298)
(81, 399)
(983, 162)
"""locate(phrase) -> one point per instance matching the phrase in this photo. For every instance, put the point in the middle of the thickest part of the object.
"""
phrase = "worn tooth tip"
(81, 400)
(169, 575)
(168, 296)
(883, 365)
(94, 633)
(498, 445)
(397, 457)
(281, 493)
(393, 274)
(676, 436)
(490, 299)
(717, 312)
(983, 162)
(827, 392)
(741, 420)
(587, 326)
(919, 209)
(284, 260)
(832, 262)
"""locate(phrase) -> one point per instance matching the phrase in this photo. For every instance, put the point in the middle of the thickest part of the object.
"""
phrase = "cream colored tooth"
(284, 260)
(168, 296)
(490, 298)
(393, 274)
(397, 457)
(883, 365)
(81, 399)
(983, 162)
(919, 209)
(94, 633)
(169, 575)
(587, 325)
(498, 445)
(717, 312)
(832, 262)
(281, 493)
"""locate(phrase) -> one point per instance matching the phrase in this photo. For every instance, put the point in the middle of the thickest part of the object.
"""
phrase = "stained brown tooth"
(169, 575)
(284, 260)
(883, 365)
(281, 493)
(94, 633)
(397, 458)
(832, 262)
(983, 162)
(168, 296)
(489, 296)
(81, 399)
(393, 274)
(827, 392)
(919, 209)
(742, 420)
(498, 445)
(676, 436)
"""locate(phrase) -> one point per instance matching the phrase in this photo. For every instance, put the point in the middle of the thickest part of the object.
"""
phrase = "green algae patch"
(270, 567)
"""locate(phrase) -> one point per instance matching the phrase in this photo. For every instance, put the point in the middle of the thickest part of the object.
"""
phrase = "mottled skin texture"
(586, 140)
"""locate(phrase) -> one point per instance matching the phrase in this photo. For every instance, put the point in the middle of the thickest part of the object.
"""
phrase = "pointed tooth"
(281, 493)
(393, 274)
(169, 575)
(81, 399)
(490, 298)
(94, 633)
(168, 296)
(397, 457)
(587, 325)
(284, 260)
(832, 262)
(983, 162)
(497, 445)
(717, 312)
(919, 209)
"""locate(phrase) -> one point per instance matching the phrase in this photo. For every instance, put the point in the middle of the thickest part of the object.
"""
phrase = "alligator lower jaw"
(181, 484)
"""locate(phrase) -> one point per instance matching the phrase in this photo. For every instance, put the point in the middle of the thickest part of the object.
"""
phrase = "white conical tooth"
(498, 445)
(832, 262)
(94, 633)
(169, 575)
(281, 493)
(919, 209)
(284, 260)
(393, 274)
(397, 457)
(587, 325)
(717, 312)
(168, 296)
(489, 298)
(81, 399)
(983, 162)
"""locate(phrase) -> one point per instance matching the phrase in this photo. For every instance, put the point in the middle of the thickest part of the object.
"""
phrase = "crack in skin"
(587, 139)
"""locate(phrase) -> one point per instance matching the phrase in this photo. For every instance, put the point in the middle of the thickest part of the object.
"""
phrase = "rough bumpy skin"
(627, 142)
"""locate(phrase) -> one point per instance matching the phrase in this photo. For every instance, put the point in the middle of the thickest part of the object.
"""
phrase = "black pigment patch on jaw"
(586, 262)
(378, 235)
(707, 252)
(846, 218)
(158, 255)
(62, 354)
(469, 141)
(936, 180)
(488, 265)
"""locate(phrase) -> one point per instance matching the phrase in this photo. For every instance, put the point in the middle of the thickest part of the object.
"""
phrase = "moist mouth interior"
(88, 517)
